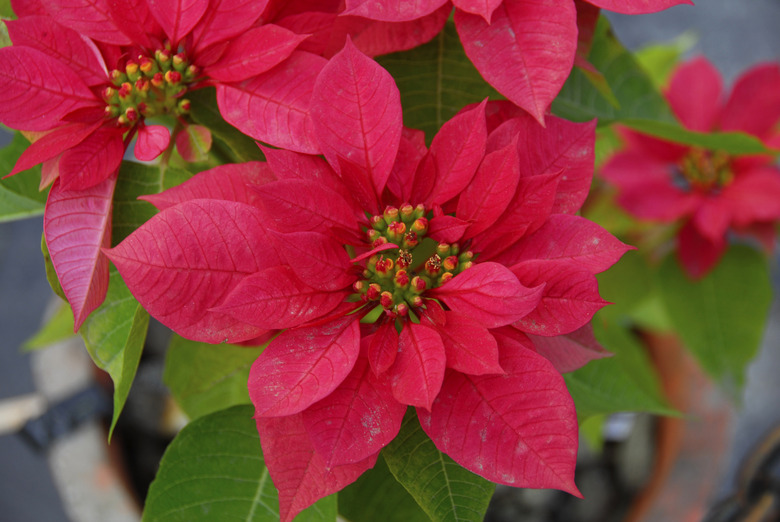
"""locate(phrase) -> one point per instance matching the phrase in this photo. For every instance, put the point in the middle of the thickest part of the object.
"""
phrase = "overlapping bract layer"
(710, 192)
(82, 77)
(250, 249)
(523, 48)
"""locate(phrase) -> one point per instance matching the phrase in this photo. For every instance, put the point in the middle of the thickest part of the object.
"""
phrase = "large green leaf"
(214, 471)
(721, 318)
(660, 60)
(58, 328)
(138, 179)
(731, 142)
(228, 141)
(114, 335)
(624, 382)
(377, 495)
(19, 194)
(638, 98)
(205, 378)
(443, 489)
(640, 105)
(436, 80)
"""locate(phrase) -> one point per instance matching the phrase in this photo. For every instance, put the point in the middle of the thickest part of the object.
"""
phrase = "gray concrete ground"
(732, 34)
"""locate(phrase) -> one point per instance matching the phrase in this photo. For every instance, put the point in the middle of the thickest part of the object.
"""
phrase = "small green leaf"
(376, 495)
(214, 470)
(730, 142)
(443, 489)
(135, 179)
(6, 11)
(721, 318)
(436, 80)
(226, 138)
(19, 194)
(51, 274)
(58, 328)
(660, 60)
(5, 40)
(638, 98)
(114, 335)
(624, 382)
(205, 378)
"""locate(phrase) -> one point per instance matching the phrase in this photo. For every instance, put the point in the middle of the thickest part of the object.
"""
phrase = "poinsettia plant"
(376, 271)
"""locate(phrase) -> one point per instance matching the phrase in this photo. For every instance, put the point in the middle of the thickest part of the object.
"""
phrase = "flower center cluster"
(707, 170)
(150, 86)
(397, 278)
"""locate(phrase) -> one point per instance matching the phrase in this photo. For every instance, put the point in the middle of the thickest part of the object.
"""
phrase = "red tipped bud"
(386, 300)
(420, 226)
(404, 259)
(402, 309)
(468, 255)
(125, 90)
(381, 240)
(184, 105)
(158, 79)
(450, 263)
(147, 65)
(172, 77)
(122, 120)
(407, 213)
(417, 301)
(131, 114)
(117, 77)
(384, 266)
(433, 265)
(373, 292)
(443, 249)
(466, 265)
(179, 61)
(142, 85)
(446, 276)
(193, 71)
(112, 111)
(410, 240)
(109, 93)
(131, 68)
(378, 223)
(396, 230)
(401, 279)
(373, 235)
(357, 286)
(163, 56)
(418, 284)
(390, 213)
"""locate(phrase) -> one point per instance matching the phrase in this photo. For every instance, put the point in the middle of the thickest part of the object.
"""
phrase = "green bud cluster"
(149, 86)
(396, 278)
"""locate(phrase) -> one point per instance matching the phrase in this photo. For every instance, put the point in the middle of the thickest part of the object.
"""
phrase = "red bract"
(708, 191)
(85, 78)
(427, 302)
(523, 48)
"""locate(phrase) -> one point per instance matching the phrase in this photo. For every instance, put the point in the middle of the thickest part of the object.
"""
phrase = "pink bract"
(709, 192)
(376, 311)
(83, 77)
(523, 48)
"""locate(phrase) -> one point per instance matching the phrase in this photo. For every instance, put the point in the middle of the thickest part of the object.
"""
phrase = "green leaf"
(51, 274)
(135, 179)
(5, 9)
(228, 140)
(19, 194)
(443, 489)
(660, 60)
(5, 40)
(58, 328)
(205, 378)
(638, 98)
(436, 80)
(721, 318)
(114, 335)
(730, 142)
(624, 382)
(214, 470)
(376, 495)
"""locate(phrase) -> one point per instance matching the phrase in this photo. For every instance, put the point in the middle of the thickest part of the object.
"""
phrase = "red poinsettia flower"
(709, 191)
(401, 276)
(523, 48)
(85, 77)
